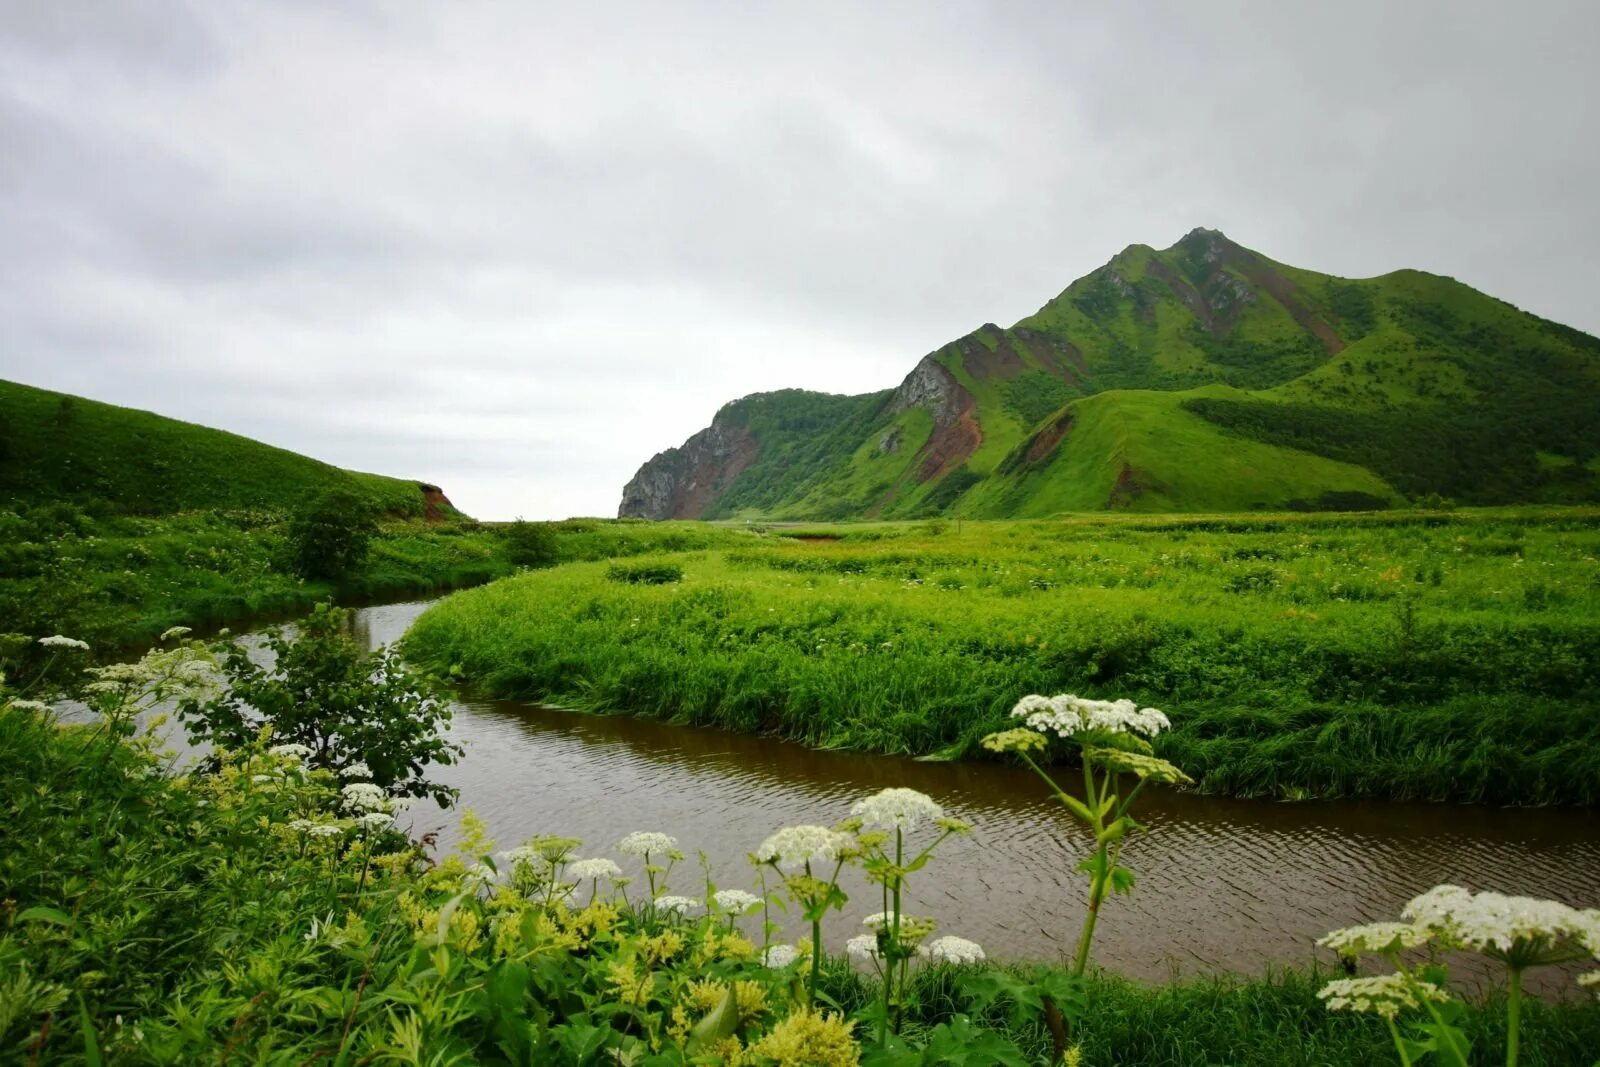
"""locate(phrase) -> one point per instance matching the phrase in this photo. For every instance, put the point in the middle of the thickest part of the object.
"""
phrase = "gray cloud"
(517, 250)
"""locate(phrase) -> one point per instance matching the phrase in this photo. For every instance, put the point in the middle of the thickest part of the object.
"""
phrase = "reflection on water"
(1223, 884)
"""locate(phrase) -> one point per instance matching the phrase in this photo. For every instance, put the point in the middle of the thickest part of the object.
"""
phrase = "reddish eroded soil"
(1056, 354)
(706, 481)
(435, 505)
(1283, 291)
(949, 447)
(1128, 488)
(982, 364)
(1046, 441)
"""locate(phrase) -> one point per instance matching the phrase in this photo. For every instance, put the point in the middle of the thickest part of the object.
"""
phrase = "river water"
(1223, 885)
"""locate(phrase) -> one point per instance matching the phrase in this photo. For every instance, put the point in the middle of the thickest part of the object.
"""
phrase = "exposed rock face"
(681, 483)
(930, 386)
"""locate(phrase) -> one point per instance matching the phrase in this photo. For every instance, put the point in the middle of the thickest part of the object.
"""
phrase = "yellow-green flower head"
(793, 847)
(1376, 937)
(1017, 740)
(808, 1038)
(643, 842)
(1385, 994)
(1147, 767)
(1068, 714)
(897, 809)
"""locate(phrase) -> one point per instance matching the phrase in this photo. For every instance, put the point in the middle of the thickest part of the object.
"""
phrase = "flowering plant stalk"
(1106, 733)
(898, 938)
(797, 853)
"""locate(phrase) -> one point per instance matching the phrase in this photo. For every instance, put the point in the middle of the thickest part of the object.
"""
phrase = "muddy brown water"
(1223, 884)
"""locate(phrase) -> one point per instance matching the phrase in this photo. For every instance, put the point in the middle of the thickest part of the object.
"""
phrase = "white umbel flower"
(29, 705)
(897, 809)
(955, 950)
(1069, 714)
(172, 632)
(736, 900)
(57, 641)
(678, 905)
(1385, 994)
(358, 769)
(377, 820)
(586, 870)
(1498, 924)
(290, 751)
(641, 842)
(795, 846)
(862, 947)
(780, 956)
(364, 796)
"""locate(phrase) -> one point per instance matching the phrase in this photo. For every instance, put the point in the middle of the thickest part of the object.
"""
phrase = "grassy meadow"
(1435, 655)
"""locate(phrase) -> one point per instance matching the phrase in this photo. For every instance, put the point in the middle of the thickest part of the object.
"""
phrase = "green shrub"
(645, 573)
(330, 536)
(530, 544)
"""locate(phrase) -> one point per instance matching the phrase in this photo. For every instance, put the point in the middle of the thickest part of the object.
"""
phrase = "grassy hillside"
(1204, 377)
(55, 447)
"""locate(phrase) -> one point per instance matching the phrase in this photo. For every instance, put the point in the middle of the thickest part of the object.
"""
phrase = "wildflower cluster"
(1385, 995)
(1067, 714)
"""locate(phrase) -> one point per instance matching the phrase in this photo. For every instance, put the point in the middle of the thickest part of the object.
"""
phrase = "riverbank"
(1424, 656)
(117, 581)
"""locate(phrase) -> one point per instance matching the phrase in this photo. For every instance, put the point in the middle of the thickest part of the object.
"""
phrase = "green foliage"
(329, 537)
(645, 573)
(1418, 655)
(530, 544)
(321, 690)
(114, 459)
(1035, 395)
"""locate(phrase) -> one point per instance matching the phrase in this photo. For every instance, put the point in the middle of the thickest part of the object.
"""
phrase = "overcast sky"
(516, 249)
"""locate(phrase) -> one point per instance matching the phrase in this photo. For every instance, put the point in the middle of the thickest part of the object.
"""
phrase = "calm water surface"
(1223, 884)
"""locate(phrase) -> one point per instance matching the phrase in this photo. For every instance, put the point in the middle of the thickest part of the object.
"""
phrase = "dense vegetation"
(1422, 655)
(1203, 377)
(245, 916)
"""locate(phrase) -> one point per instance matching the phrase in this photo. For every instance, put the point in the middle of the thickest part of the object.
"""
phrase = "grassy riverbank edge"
(1432, 657)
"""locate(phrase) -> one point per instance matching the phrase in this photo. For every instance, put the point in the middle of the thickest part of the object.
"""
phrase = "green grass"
(55, 447)
(1423, 655)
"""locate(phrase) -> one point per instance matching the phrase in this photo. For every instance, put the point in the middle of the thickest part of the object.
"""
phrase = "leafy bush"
(530, 544)
(645, 573)
(346, 707)
(330, 537)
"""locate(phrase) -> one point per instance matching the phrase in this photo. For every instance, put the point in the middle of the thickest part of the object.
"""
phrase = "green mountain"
(55, 447)
(1201, 377)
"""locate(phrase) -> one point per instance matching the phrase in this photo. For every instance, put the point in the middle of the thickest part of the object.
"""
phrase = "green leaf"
(1077, 807)
(91, 1039)
(720, 1022)
(42, 914)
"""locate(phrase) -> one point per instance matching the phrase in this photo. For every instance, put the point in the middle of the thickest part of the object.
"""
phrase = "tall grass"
(1422, 656)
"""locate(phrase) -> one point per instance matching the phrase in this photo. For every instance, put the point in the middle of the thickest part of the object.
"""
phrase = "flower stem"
(1513, 1014)
(1399, 1043)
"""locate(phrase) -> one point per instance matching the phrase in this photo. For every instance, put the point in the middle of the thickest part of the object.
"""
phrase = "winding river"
(1224, 885)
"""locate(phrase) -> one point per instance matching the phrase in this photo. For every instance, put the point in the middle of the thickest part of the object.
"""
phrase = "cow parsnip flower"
(778, 957)
(643, 842)
(793, 847)
(376, 820)
(1069, 714)
(358, 769)
(951, 949)
(290, 751)
(57, 641)
(1376, 938)
(736, 900)
(364, 796)
(173, 632)
(1531, 930)
(1385, 994)
(897, 809)
(677, 905)
(29, 705)
(1015, 740)
(599, 867)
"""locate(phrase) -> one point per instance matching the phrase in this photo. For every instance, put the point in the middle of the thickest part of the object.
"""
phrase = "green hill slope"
(55, 447)
(1201, 377)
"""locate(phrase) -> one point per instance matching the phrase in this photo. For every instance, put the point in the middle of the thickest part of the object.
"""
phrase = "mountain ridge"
(1201, 377)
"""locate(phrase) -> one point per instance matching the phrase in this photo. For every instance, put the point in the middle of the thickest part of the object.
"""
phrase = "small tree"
(323, 691)
(530, 544)
(330, 536)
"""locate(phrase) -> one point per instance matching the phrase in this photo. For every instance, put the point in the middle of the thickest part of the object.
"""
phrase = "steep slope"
(55, 447)
(1200, 377)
